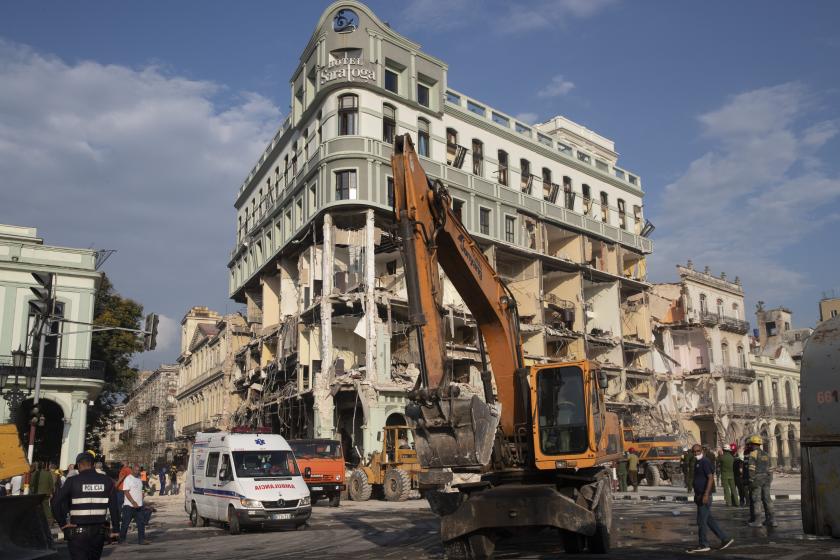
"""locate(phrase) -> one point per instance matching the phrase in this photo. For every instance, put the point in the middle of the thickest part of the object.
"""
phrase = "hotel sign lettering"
(347, 68)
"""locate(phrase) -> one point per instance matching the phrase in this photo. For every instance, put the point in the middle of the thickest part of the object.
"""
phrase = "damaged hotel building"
(317, 264)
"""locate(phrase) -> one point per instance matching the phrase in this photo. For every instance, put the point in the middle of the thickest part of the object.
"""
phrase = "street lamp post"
(14, 396)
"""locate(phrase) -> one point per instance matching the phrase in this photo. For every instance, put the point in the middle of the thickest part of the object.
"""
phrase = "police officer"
(760, 480)
(81, 508)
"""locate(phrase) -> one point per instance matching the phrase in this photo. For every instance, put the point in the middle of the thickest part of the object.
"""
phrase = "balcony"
(738, 374)
(732, 324)
(709, 319)
(781, 411)
(192, 429)
(57, 367)
(742, 410)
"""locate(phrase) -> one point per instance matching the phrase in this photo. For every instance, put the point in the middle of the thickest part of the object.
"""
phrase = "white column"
(370, 301)
(323, 406)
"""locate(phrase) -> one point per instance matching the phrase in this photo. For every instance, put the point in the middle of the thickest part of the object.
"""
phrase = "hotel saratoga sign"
(347, 68)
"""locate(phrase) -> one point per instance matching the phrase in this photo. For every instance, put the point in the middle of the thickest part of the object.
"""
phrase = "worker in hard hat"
(760, 480)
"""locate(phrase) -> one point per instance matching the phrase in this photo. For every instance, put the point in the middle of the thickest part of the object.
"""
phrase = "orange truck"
(322, 464)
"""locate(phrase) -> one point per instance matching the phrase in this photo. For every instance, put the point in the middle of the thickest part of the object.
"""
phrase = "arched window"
(549, 193)
(348, 114)
(605, 208)
(389, 123)
(703, 305)
(525, 170)
(788, 395)
(724, 353)
(587, 199)
(742, 357)
(568, 193)
(622, 214)
(477, 157)
(454, 152)
(736, 313)
(503, 167)
(720, 307)
(423, 136)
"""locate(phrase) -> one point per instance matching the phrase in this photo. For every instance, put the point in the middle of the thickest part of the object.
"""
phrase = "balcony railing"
(734, 325)
(780, 411)
(709, 319)
(195, 427)
(745, 410)
(737, 373)
(57, 367)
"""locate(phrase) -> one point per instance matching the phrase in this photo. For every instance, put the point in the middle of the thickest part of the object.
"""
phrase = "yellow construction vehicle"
(24, 531)
(660, 457)
(539, 437)
(390, 473)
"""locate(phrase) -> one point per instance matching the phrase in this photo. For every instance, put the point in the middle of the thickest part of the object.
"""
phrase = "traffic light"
(151, 332)
(42, 306)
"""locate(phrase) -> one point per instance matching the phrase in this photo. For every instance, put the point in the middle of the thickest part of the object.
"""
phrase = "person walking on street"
(760, 480)
(43, 482)
(133, 506)
(690, 460)
(125, 471)
(81, 508)
(173, 480)
(621, 471)
(727, 476)
(704, 483)
(633, 469)
(162, 477)
(738, 469)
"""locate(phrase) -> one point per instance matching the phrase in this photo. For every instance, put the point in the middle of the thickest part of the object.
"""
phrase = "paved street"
(644, 529)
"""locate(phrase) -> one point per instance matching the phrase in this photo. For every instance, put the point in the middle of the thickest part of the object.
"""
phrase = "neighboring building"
(829, 307)
(316, 263)
(206, 367)
(149, 418)
(110, 440)
(702, 338)
(70, 379)
(776, 356)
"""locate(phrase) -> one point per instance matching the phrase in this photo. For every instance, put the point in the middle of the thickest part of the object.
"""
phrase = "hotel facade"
(316, 261)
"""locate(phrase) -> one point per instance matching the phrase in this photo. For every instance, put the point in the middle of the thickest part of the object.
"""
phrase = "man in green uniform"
(43, 483)
(633, 467)
(621, 471)
(760, 480)
(727, 477)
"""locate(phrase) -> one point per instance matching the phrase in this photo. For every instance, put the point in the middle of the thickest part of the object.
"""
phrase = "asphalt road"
(374, 529)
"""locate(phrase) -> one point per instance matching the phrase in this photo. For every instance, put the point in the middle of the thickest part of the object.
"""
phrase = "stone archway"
(49, 437)
(395, 419)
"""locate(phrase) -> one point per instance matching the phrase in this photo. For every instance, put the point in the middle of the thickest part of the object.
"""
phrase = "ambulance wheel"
(195, 519)
(233, 521)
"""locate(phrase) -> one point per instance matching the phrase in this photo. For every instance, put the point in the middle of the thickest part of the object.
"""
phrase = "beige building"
(149, 418)
(206, 369)
(316, 262)
(829, 307)
(703, 357)
(110, 439)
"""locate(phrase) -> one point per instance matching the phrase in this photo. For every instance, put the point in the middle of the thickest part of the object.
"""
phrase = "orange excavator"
(537, 437)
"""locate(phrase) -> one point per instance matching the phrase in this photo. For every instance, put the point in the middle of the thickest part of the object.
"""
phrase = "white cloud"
(496, 16)
(137, 160)
(759, 191)
(556, 87)
(528, 118)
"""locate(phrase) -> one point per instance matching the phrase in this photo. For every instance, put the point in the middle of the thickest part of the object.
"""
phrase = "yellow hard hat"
(755, 440)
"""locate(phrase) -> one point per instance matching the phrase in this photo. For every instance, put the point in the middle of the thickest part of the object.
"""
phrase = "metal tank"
(820, 431)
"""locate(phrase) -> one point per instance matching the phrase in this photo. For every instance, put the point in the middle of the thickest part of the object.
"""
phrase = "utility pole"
(45, 306)
(38, 371)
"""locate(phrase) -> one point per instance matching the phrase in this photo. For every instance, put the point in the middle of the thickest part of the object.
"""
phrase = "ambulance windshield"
(260, 464)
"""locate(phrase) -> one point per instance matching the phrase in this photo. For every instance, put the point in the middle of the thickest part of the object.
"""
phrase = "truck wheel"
(599, 543)
(359, 486)
(573, 543)
(195, 519)
(652, 475)
(233, 521)
(397, 485)
(458, 549)
(335, 500)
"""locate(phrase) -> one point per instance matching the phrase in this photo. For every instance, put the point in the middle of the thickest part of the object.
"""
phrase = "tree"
(115, 349)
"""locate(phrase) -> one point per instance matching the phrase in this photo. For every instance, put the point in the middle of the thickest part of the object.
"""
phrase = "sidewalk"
(784, 487)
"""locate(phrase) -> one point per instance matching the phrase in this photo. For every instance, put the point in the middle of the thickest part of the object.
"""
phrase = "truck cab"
(322, 464)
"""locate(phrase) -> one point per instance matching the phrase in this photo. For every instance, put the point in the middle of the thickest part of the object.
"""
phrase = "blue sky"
(131, 125)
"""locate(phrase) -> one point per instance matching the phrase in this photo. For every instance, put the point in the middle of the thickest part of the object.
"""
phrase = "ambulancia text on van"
(245, 479)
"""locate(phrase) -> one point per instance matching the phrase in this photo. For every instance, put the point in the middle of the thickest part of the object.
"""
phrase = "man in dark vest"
(760, 480)
(81, 509)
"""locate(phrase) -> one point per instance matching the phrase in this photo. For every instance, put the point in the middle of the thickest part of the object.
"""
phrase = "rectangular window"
(345, 185)
(476, 108)
(605, 208)
(543, 139)
(212, 465)
(522, 129)
(458, 208)
(484, 221)
(348, 115)
(564, 149)
(389, 123)
(568, 193)
(390, 187)
(525, 180)
(313, 198)
(501, 119)
(602, 165)
(423, 95)
(503, 167)
(622, 214)
(633, 180)
(510, 229)
(619, 173)
(453, 98)
(423, 137)
(392, 81)
(478, 157)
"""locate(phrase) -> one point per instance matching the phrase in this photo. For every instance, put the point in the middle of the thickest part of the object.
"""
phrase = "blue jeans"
(705, 520)
(129, 513)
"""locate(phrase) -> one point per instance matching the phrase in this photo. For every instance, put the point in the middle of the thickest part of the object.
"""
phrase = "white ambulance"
(245, 479)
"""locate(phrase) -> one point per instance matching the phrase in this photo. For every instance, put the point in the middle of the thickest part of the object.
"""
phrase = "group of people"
(745, 479)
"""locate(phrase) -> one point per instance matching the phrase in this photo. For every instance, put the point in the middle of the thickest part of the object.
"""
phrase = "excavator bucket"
(454, 432)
